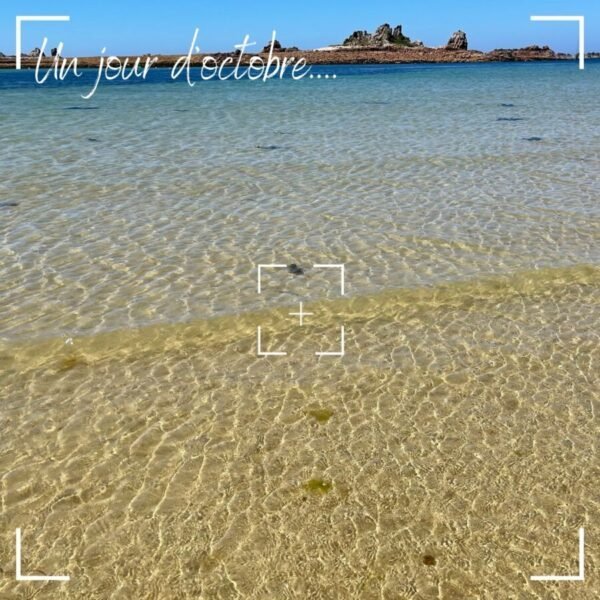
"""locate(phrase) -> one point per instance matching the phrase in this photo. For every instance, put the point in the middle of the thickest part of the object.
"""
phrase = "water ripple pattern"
(147, 452)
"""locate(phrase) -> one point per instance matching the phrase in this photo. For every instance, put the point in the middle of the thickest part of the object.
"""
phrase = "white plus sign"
(301, 314)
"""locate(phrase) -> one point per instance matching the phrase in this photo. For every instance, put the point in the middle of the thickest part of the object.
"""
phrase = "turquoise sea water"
(147, 450)
(154, 202)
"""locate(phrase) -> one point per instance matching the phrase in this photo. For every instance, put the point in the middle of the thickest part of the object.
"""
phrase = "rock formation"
(276, 47)
(522, 54)
(358, 38)
(35, 53)
(384, 37)
(458, 41)
(54, 52)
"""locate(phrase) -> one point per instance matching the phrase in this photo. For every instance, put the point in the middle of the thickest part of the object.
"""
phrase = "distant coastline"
(386, 45)
(336, 56)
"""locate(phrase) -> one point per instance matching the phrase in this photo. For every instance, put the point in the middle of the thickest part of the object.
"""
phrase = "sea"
(170, 427)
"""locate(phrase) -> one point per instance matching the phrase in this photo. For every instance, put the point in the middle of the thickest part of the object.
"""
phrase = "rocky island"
(383, 37)
(391, 45)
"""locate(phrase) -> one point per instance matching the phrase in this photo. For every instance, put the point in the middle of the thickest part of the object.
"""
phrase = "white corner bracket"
(570, 18)
(579, 577)
(32, 577)
(31, 18)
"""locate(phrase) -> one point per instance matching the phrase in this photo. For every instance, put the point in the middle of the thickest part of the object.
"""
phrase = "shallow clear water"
(155, 455)
(405, 175)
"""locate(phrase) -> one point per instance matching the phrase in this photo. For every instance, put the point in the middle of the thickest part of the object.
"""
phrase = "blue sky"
(159, 26)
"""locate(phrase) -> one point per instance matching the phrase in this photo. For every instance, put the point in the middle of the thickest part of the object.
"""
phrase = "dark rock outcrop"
(384, 37)
(35, 53)
(458, 41)
(276, 47)
(522, 54)
(294, 269)
(54, 52)
(358, 38)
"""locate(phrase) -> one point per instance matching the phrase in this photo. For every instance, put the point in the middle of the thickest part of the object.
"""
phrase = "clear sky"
(160, 26)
